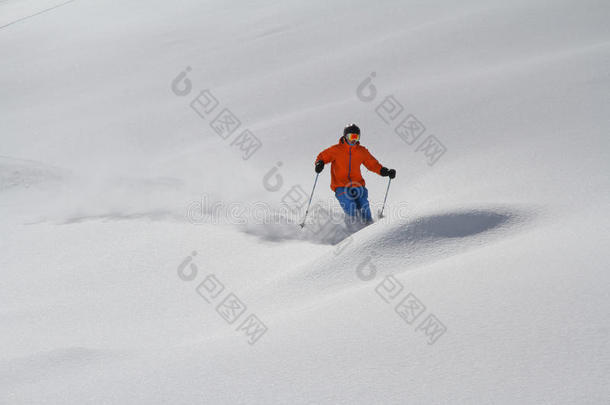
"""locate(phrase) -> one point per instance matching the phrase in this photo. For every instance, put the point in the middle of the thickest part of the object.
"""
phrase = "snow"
(109, 181)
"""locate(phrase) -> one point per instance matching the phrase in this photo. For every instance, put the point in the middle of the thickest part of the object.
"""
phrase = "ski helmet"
(351, 129)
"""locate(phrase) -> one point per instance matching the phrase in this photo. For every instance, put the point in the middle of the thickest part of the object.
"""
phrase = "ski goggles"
(353, 137)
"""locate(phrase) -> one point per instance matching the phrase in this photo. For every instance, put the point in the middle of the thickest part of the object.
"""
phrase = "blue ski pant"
(354, 201)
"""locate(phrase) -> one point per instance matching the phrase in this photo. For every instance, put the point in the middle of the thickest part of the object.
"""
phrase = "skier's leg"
(346, 201)
(362, 203)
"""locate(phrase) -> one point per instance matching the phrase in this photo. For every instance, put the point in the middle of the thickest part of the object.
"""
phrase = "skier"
(346, 180)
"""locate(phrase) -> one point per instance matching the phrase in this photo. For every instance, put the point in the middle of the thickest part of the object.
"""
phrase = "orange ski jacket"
(345, 162)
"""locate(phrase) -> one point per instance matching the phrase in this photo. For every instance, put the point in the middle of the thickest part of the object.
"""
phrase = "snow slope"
(108, 180)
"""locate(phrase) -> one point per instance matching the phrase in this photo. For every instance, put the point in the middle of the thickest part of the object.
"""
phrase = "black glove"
(319, 166)
(385, 172)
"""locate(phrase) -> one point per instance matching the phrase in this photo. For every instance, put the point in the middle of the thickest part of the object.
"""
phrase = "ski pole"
(385, 198)
(310, 197)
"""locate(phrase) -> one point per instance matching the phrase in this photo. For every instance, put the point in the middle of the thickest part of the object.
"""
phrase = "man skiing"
(346, 181)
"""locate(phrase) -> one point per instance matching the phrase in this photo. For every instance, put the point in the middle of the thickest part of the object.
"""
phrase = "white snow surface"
(504, 239)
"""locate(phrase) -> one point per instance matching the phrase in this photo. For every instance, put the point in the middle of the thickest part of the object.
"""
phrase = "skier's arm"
(327, 155)
(371, 163)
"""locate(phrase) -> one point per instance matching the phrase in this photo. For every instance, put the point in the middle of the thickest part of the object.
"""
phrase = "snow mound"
(398, 247)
